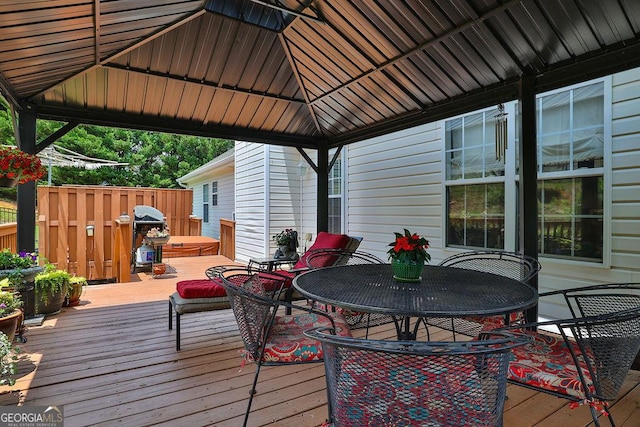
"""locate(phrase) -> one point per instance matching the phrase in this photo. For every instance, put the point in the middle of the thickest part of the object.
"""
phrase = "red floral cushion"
(547, 363)
(199, 288)
(324, 240)
(287, 343)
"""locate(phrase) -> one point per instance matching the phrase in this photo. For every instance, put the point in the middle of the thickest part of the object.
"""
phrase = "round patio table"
(442, 292)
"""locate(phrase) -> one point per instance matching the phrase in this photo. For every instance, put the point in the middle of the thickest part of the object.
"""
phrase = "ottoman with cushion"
(194, 296)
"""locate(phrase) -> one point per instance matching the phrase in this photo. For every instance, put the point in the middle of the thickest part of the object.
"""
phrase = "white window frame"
(205, 203)
(340, 163)
(511, 178)
(214, 193)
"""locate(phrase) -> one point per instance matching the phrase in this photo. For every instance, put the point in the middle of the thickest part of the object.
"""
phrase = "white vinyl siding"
(250, 179)
(393, 182)
(285, 197)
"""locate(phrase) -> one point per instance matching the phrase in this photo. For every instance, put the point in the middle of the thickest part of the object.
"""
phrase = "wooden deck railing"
(228, 238)
(9, 236)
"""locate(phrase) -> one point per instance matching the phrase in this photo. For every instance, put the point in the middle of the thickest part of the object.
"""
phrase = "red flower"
(409, 248)
(15, 163)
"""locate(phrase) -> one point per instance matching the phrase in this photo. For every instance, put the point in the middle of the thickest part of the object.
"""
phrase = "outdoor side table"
(269, 264)
(442, 292)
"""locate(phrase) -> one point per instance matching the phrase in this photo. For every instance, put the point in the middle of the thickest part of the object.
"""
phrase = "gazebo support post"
(322, 217)
(527, 199)
(26, 218)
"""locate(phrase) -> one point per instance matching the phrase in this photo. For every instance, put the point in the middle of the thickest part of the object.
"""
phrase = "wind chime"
(501, 132)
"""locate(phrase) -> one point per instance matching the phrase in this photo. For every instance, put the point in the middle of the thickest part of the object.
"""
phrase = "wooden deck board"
(112, 361)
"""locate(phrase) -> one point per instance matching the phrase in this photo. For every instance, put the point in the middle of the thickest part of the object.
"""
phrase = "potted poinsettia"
(18, 167)
(408, 255)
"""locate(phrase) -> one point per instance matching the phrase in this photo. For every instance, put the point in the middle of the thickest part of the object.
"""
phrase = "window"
(475, 183)
(571, 172)
(481, 192)
(214, 193)
(205, 203)
(335, 197)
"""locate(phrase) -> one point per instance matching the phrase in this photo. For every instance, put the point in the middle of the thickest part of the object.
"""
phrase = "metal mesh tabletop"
(442, 292)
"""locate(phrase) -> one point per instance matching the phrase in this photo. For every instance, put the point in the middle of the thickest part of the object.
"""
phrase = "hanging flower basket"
(19, 167)
(8, 182)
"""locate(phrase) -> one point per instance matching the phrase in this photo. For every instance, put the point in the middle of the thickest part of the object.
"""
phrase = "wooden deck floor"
(112, 361)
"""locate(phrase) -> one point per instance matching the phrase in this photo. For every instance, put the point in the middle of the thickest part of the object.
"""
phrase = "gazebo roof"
(299, 72)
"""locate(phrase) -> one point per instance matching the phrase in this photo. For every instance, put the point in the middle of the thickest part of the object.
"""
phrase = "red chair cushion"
(547, 363)
(199, 288)
(287, 343)
(324, 240)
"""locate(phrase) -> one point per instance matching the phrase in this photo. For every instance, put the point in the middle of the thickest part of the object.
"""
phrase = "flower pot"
(407, 271)
(159, 269)
(8, 182)
(9, 324)
(28, 274)
(48, 302)
(157, 241)
(73, 297)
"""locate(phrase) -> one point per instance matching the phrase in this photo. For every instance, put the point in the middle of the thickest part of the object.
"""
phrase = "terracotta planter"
(159, 269)
(10, 324)
(75, 292)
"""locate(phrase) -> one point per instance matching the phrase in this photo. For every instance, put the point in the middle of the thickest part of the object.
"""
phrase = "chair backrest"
(609, 331)
(326, 240)
(254, 301)
(334, 257)
(416, 383)
(509, 264)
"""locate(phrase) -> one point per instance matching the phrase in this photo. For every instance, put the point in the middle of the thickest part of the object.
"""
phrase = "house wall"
(251, 191)
(226, 188)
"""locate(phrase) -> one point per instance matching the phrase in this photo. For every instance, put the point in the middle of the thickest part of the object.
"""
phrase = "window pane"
(205, 193)
(571, 219)
(335, 215)
(454, 166)
(555, 152)
(588, 105)
(205, 213)
(588, 148)
(556, 113)
(470, 220)
(453, 134)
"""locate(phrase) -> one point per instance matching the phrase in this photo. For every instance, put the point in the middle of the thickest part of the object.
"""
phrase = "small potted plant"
(287, 241)
(74, 291)
(18, 267)
(157, 236)
(51, 288)
(408, 254)
(18, 167)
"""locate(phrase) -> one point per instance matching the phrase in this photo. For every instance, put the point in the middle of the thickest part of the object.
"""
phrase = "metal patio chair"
(412, 383)
(590, 357)
(269, 337)
(336, 257)
(509, 264)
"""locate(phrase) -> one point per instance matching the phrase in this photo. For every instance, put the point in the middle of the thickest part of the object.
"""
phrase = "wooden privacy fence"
(66, 212)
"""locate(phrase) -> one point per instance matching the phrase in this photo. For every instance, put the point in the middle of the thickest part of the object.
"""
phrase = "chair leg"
(170, 315)
(177, 331)
(252, 392)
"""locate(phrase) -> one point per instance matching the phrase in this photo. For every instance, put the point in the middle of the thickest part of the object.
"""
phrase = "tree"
(155, 159)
